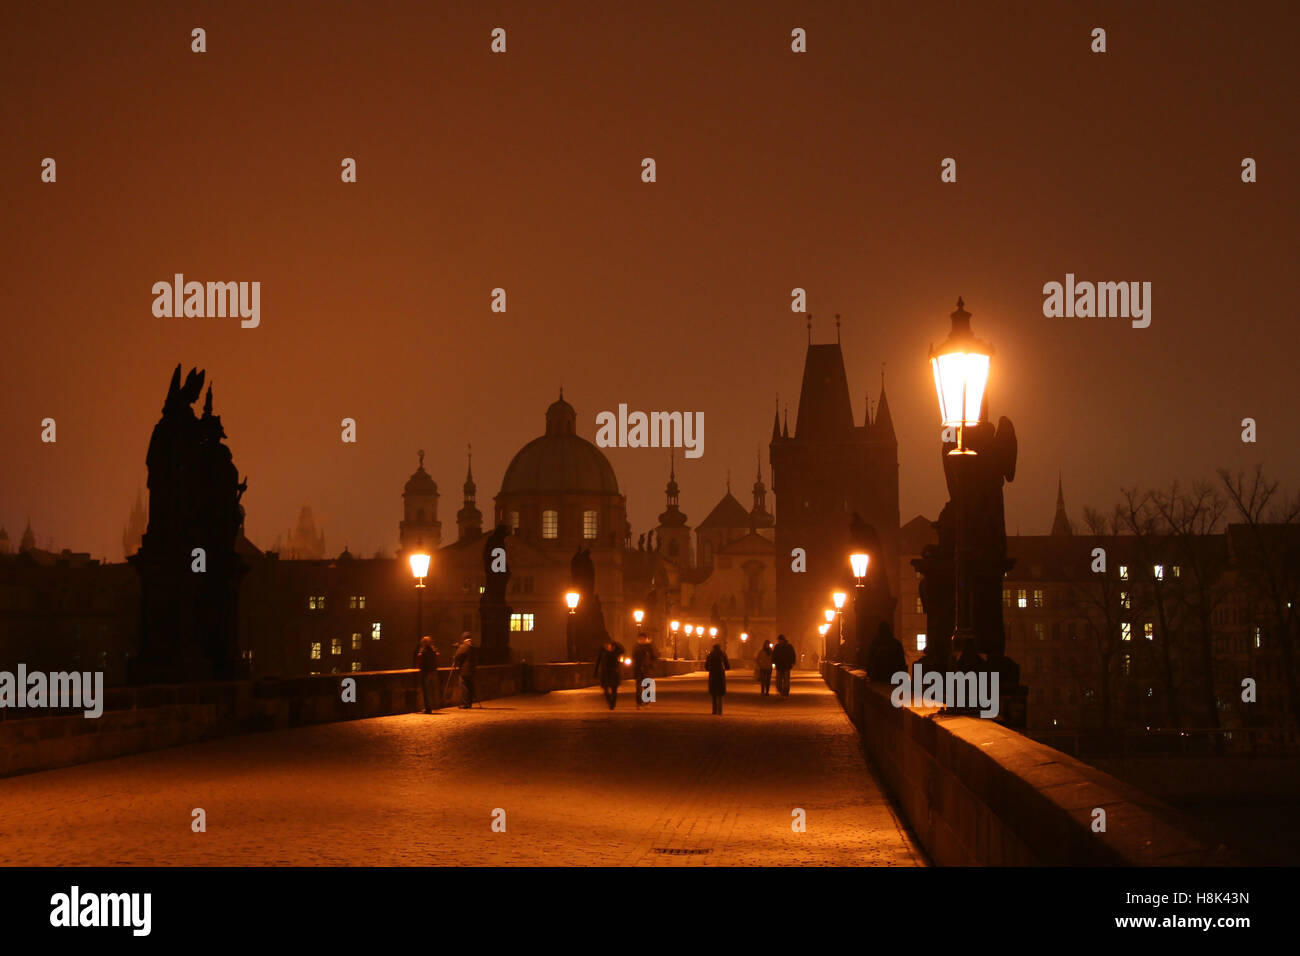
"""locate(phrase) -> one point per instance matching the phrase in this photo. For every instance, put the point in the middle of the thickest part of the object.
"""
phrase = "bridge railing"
(978, 794)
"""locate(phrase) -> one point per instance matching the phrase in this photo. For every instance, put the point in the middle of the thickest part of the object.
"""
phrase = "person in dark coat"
(426, 661)
(717, 665)
(763, 668)
(465, 663)
(643, 666)
(783, 661)
(609, 670)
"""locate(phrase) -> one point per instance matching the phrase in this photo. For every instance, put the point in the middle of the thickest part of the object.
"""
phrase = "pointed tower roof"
(469, 519)
(883, 425)
(672, 516)
(759, 517)
(825, 408)
(727, 513)
(1061, 522)
(776, 420)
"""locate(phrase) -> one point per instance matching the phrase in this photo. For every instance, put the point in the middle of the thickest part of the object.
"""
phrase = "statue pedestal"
(494, 619)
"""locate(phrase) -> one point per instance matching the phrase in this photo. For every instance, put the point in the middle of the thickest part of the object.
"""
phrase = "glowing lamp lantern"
(839, 597)
(571, 599)
(961, 372)
(713, 632)
(822, 629)
(638, 615)
(419, 567)
(830, 615)
(690, 629)
(744, 636)
(858, 561)
(675, 625)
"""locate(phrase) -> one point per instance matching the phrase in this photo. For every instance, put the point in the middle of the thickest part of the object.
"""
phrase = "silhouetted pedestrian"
(717, 665)
(643, 666)
(783, 661)
(609, 670)
(763, 668)
(465, 664)
(426, 660)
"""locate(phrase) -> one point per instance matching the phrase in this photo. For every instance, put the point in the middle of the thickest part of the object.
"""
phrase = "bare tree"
(1193, 519)
(1271, 562)
(1140, 517)
(1097, 599)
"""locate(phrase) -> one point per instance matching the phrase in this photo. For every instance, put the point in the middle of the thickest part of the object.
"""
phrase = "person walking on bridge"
(426, 660)
(464, 664)
(783, 660)
(717, 665)
(643, 666)
(763, 668)
(609, 670)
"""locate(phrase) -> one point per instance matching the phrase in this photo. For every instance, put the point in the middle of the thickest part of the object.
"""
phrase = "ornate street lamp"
(419, 570)
(673, 627)
(961, 373)
(858, 561)
(571, 599)
(838, 598)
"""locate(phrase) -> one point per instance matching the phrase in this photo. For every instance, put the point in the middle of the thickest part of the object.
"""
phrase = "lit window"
(550, 524)
(920, 642)
(356, 665)
(1022, 599)
(920, 608)
(1126, 631)
(589, 524)
(374, 631)
(357, 602)
(315, 650)
(521, 622)
(1178, 572)
(356, 641)
(1259, 638)
(1123, 572)
(336, 646)
(1040, 631)
(316, 602)
(1158, 571)
(514, 521)
(1038, 597)
(1123, 599)
(1006, 597)
(1128, 664)
(1149, 631)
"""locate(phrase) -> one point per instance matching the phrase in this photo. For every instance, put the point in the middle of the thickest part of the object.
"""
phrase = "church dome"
(420, 482)
(561, 461)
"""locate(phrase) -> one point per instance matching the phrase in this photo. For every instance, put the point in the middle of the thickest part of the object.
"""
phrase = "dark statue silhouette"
(189, 569)
(494, 613)
(589, 632)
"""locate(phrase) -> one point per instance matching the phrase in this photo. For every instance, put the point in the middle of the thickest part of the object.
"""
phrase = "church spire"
(1061, 521)
(776, 419)
(469, 520)
(672, 516)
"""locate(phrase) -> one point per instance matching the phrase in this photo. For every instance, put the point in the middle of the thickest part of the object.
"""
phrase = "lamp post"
(673, 626)
(419, 570)
(961, 372)
(838, 598)
(690, 629)
(571, 599)
(822, 629)
(638, 615)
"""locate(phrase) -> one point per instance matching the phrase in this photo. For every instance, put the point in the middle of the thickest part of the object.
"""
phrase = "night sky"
(522, 170)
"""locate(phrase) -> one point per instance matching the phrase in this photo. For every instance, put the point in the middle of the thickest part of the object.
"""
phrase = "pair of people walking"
(779, 657)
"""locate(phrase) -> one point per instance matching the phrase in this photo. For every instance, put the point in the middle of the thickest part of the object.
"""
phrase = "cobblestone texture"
(668, 785)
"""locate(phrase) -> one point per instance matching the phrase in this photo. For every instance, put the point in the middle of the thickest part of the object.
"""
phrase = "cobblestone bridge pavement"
(671, 784)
